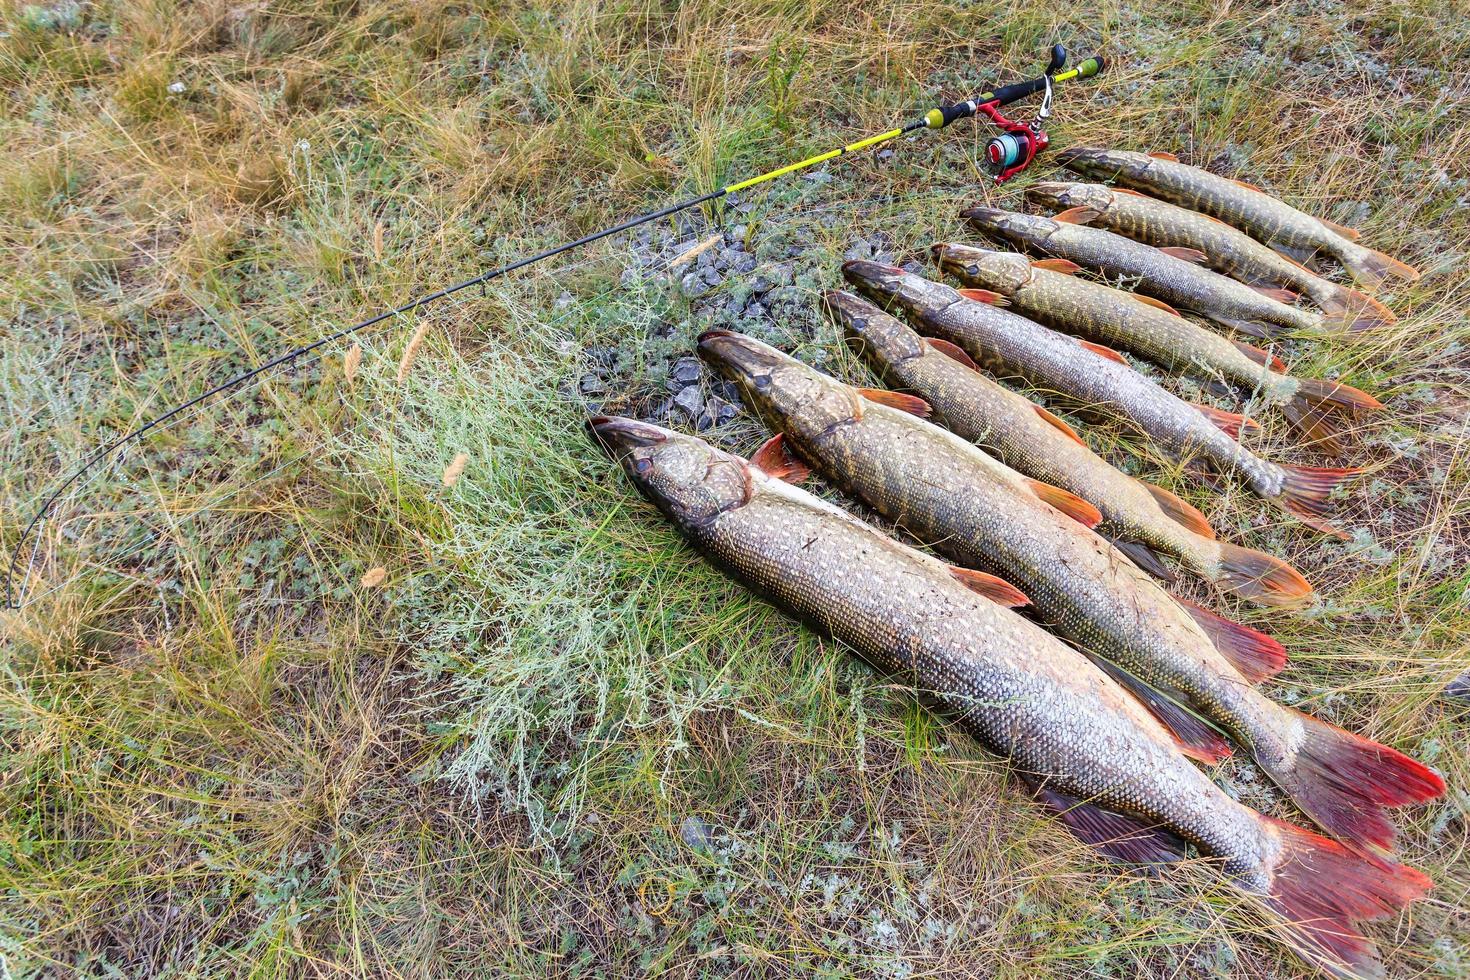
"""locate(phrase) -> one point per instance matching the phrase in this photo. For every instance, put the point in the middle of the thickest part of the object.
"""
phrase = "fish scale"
(1242, 205)
(1181, 283)
(1076, 736)
(982, 514)
(1027, 438)
(1115, 317)
(1224, 248)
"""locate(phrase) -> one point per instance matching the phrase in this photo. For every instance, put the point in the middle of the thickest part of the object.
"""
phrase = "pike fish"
(1009, 345)
(1088, 751)
(1163, 276)
(1196, 237)
(1049, 293)
(1140, 519)
(1237, 203)
(982, 514)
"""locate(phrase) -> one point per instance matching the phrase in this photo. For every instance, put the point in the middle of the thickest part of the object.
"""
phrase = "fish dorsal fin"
(894, 399)
(1257, 656)
(987, 296)
(1067, 502)
(775, 459)
(1191, 255)
(1126, 190)
(1076, 216)
(1351, 234)
(1261, 357)
(1059, 425)
(1179, 511)
(1157, 304)
(997, 590)
(1065, 266)
(1277, 293)
(1247, 186)
(1102, 351)
(952, 351)
(1227, 422)
(1161, 155)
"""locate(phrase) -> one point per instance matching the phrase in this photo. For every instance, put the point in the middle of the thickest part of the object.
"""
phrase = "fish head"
(896, 289)
(1104, 164)
(1001, 272)
(685, 477)
(789, 396)
(1060, 195)
(879, 338)
(1018, 228)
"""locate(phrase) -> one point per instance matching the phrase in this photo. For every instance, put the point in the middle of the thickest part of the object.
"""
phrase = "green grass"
(554, 742)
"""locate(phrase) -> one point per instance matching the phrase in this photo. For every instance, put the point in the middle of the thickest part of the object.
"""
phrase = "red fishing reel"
(1012, 151)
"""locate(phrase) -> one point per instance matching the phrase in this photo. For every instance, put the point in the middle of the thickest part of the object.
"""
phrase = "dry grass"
(549, 741)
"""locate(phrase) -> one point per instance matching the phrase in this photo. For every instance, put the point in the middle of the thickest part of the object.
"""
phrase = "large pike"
(1236, 203)
(1141, 519)
(984, 515)
(1045, 294)
(1087, 749)
(1009, 345)
(1197, 237)
(1166, 277)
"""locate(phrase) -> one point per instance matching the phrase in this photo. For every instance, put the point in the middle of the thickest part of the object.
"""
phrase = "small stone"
(885, 155)
(1459, 688)
(744, 262)
(760, 284)
(755, 310)
(712, 276)
(696, 833)
(592, 385)
(686, 371)
(916, 268)
(693, 285)
(691, 401)
(858, 251)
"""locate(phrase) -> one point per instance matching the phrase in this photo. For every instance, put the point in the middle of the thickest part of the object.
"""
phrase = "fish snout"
(989, 219)
(1048, 192)
(1070, 154)
(738, 357)
(620, 435)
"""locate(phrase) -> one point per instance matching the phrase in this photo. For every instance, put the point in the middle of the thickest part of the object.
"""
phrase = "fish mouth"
(1047, 192)
(848, 309)
(738, 357)
(620, 435)
(874, 279)
(1071, 153)
(989, 219)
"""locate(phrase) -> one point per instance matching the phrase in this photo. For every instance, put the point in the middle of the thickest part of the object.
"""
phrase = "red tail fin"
(1318, 407)
(1227, 422)
(1253, 653)
(1344, 782)
(1373, 267)
(1349, 309)
(1260, 577)
(1321, 889)
(1180, 511)
(1307, 493)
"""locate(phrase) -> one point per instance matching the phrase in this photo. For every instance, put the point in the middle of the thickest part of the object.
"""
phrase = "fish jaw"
(895, 289)
(1103, 164)
(1021, 229)
(786, 394)
(877, 337)
(689, 480)
(1002, 272)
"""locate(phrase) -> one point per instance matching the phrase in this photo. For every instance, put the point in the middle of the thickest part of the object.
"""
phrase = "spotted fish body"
(1032, 441)
(1112, 316)
(1247, 208)
(1116, 317)
(1066, 725)
(1183, 284)
(982, 514)
(1009, 345)
(1221, 247)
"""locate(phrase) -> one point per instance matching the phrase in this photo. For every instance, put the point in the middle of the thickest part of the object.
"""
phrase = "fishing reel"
(1018, 143)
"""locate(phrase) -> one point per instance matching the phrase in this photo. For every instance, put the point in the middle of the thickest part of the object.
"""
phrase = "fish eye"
(761, 382)
(642, 465)
(859, 323)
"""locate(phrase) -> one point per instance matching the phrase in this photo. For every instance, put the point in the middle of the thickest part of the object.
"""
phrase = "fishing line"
(936, 118)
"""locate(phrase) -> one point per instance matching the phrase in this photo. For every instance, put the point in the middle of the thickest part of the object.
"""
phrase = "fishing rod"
(1006, 155)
